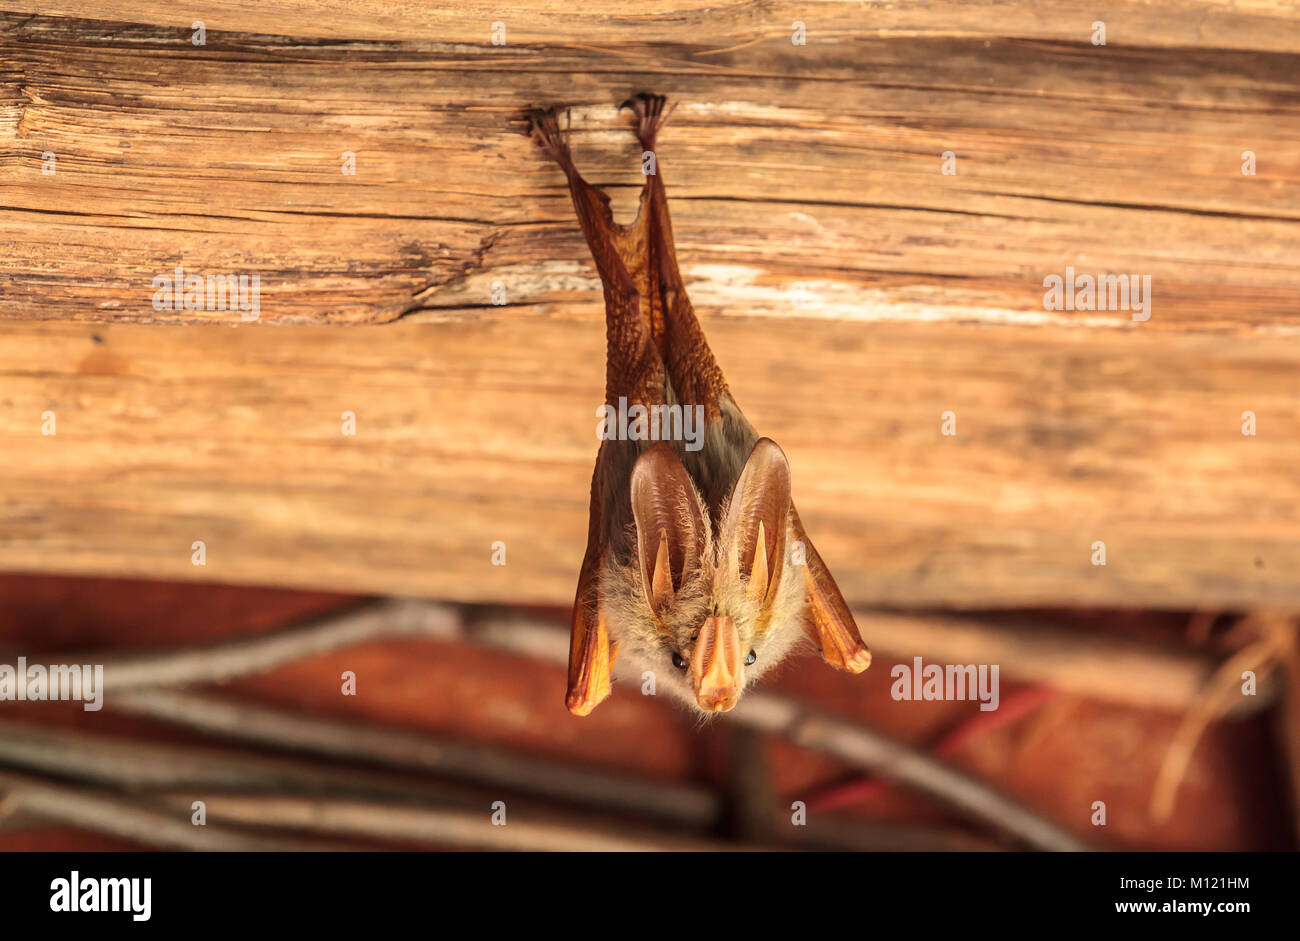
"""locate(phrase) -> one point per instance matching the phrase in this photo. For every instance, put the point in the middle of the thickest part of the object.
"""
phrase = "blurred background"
(385, 477)
(234, 697)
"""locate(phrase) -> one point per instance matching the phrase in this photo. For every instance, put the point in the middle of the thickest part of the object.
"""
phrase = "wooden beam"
(805, 179)
(472, 433)
(848, 285)
(1221, 24)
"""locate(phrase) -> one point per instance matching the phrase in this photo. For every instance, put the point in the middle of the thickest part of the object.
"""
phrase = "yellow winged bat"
(697, 565)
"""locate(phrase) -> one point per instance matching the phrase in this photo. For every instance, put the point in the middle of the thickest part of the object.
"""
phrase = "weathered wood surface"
(852, 291)
(805, 180)
(472, 433)
(1224, 24)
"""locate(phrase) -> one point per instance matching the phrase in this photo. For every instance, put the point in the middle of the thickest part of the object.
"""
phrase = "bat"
(697, 565)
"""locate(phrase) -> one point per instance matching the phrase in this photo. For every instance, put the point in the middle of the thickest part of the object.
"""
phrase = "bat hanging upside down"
(697, 566)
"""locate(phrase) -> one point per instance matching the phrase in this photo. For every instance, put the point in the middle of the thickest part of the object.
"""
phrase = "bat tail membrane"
(685, 350)
(631, 370)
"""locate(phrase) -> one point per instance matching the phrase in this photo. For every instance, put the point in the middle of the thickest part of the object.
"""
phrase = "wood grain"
(1224, 24)
(805, 181)
(852, 291)
(472, 433)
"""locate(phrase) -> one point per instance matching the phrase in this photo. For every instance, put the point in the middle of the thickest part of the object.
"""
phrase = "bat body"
(697, 565)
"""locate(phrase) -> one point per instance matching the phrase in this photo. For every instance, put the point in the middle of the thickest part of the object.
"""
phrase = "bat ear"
(670, 531)
(753, 532)
(829, 623)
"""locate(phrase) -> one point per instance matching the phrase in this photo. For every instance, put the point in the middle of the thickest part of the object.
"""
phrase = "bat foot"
(544, 128)
(649, 110)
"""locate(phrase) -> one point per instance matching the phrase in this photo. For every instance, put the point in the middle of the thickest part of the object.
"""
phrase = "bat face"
(705, 599)
(698, 569)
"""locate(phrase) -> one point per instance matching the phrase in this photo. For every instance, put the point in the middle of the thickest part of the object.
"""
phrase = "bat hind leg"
(649, 110)
(544, 128)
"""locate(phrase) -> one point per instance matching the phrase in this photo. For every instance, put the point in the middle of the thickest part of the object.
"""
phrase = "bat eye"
(679, 661)
(751, 658)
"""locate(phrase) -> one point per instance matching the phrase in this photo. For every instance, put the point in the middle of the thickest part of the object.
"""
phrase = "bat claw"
(544, 128)
(649, 109)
